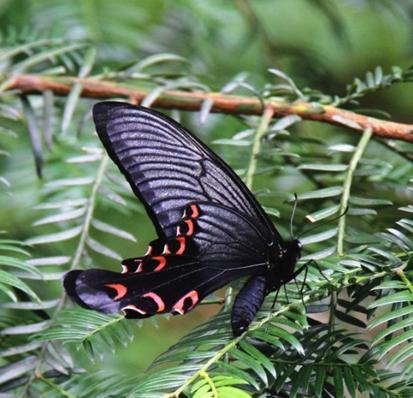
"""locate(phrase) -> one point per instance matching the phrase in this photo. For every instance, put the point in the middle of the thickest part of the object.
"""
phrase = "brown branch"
(232, 104)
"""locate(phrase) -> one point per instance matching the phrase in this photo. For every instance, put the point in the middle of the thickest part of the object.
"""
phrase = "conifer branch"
(222, 103)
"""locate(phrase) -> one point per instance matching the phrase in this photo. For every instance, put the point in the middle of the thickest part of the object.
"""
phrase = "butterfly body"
(210, 228)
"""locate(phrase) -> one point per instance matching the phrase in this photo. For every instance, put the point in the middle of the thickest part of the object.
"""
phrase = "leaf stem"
(55, 387)
(405, 279)
(347, 186)
(90, 208)
(211, 384)
(256, 147)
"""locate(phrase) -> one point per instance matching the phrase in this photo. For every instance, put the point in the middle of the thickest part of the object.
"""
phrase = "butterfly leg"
(320, 270)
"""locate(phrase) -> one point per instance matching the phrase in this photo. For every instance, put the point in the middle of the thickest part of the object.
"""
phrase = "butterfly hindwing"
(174, 276)
(247, 303)
(176, 289)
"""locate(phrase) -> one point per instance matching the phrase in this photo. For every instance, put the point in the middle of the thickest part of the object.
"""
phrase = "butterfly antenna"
(323, 223)
(292, 216)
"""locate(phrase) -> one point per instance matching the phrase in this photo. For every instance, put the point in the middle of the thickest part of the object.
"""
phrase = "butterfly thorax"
(282, 264)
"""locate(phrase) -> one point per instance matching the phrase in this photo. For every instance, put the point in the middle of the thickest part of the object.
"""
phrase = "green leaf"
(338, 383)
(60, 217)
(394, 342)
(102, 249)
(402, 324)
(320, 237)
(232, 392)
(56, 237)
(319, 381)
(228, 141)
(259, 356)
(389, 316)
(323, 167)
(320, 193)
(110, 229)
(399, 297)
(7, 278)
(252, 363)
(323, 213)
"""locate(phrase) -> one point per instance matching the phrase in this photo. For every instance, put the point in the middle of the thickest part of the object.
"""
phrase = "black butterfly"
(211, 229)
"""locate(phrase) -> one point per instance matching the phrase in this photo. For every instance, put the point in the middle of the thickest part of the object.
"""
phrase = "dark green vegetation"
(355, 333)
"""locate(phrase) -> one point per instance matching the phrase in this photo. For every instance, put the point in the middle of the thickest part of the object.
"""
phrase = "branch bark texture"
(222, 103)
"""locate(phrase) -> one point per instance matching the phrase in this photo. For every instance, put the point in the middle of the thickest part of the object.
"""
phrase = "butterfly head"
(283, 269)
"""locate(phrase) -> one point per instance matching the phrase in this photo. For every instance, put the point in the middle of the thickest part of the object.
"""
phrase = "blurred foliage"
(347, 335)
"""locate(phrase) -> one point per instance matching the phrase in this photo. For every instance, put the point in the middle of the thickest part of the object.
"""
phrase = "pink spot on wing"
(149, 251)
(179, 305)
(195, 211)
(182, 245)
(121, 290)
(125, 269)
(159, 302)
(161, 262)
(190, 225)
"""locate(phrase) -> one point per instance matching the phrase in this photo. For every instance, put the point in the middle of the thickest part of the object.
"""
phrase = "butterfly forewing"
(168, 168)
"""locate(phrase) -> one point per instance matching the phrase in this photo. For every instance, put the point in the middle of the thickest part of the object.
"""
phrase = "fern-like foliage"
(344, 327)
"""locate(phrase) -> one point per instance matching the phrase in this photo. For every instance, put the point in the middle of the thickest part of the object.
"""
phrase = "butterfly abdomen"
(247, 303)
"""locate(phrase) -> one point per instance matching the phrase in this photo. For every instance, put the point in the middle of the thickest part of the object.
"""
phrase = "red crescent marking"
(195, 211)
(133, 308)
(182, 245)
(121, 290)
(159, 302)
(166, 249)
(162, 262)
(190, 225)
(179, 305)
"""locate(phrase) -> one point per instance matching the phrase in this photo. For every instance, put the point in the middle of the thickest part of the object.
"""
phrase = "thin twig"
(347, 186)
(222, 103)
(345, 196)
(256, 147)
